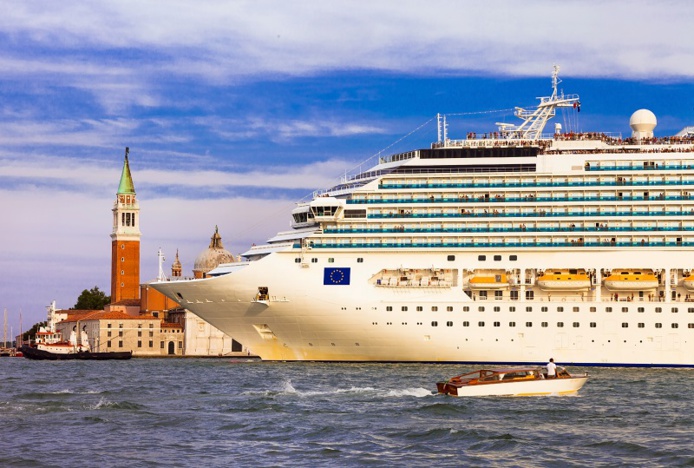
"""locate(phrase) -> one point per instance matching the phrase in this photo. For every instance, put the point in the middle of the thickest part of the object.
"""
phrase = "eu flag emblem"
(336, 276)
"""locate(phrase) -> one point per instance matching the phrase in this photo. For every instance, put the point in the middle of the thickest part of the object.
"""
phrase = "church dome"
(212, 257)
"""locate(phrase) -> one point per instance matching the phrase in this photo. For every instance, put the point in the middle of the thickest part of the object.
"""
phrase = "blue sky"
(233, 111)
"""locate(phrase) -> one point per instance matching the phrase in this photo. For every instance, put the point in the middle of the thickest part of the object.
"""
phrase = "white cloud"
(222, 40)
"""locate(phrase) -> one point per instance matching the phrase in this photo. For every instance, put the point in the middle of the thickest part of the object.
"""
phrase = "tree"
(92, 299)
(29, 334)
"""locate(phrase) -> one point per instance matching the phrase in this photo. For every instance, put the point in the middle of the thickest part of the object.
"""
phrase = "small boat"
(58, 352)
(527, 381)
(564, 280)
(631, 280)
(489, 281)
(688, 283)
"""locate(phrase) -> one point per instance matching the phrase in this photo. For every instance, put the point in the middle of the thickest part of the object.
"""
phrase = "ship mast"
(534, 120)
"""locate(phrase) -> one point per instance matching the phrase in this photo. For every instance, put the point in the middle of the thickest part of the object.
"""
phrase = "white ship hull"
(303, 319)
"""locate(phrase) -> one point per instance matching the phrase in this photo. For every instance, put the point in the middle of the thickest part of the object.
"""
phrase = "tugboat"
(50, 344)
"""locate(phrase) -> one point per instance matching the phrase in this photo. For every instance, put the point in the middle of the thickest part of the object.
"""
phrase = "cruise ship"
(510, 247)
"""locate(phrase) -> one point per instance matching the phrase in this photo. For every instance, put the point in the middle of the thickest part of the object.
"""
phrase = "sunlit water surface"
(218, 412)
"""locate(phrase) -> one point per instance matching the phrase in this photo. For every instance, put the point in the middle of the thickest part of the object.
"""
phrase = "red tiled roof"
(128, 302)
(171, 325)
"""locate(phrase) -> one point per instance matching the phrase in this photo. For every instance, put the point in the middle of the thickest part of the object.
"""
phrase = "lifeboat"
(688, 282)
(489, 281)
(564, 280)
(631, 280)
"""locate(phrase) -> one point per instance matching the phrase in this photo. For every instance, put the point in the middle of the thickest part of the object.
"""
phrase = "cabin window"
(497, 324)
(481, 324)
(529, 324)
(593, 309)
(481, 308)
(434, 308)
(389, 308)
(481, 258)
(497, 309)
(576, 309)
(512, 324)
(466, 309)
(451, 258)
(576, 324)
(675, 325)
(434, 324)
(512, 309)
(560, 309)
(314, 260)
(658, 325)
(466, 324)
(404, 308)
(297, 260)
(675, 310)
(513, 258)
(593, 324)
(497, 258)
(331, 260)
(449, 324)
(449, 308)
(625, 309)
(544, 309)
(498, 295)
(640, 309)
(641, 325)
(529, 295)
(420, 308)
(360, 260)
(608, 309)
(560, 324)
(625, 325)
(690, 310)
(691, 325)
(658, 310)
(514, 295)
(544, 324)
(528, 309)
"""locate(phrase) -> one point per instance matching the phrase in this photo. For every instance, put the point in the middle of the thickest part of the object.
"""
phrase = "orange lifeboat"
(564, 280)
(489, 281)
(631, 280)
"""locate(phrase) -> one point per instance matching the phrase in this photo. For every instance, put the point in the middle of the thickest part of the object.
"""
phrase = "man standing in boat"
(551, 369)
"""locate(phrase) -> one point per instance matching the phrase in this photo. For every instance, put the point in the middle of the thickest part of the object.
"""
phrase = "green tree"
(92, 299)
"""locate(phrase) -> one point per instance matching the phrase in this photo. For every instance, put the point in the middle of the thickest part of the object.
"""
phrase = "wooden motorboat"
(564, 280)
(527, 381)
(631, 280)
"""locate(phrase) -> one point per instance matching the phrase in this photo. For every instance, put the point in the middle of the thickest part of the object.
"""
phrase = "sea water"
(221, 412)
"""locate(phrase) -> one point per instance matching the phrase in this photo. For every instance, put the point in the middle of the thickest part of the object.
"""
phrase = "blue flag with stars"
(333, 276)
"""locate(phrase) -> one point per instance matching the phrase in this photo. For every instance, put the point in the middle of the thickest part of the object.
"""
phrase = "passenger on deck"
(551, 369)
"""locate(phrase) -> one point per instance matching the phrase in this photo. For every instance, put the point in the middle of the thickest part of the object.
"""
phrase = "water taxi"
(528, 381)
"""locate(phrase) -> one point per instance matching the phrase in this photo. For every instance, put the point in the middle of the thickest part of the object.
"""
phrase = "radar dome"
(642, 123)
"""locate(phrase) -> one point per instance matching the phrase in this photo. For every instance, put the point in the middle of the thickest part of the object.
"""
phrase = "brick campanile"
(125, 244)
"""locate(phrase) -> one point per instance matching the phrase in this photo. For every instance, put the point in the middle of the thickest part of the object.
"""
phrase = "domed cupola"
(212, 257)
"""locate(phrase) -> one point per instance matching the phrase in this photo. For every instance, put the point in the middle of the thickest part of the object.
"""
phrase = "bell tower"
(125, 244)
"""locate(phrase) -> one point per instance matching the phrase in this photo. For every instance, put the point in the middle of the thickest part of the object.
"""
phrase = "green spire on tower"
(126, 185)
